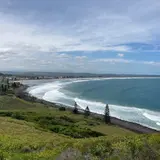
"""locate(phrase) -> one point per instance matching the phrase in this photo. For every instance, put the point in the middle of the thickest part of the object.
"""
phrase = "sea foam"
(153, 116)
(52, 92)
(131, 114)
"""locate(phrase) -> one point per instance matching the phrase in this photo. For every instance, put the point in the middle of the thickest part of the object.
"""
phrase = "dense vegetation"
(37, 131)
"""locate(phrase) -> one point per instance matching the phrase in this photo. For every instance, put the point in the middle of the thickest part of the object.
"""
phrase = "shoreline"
(135, 127)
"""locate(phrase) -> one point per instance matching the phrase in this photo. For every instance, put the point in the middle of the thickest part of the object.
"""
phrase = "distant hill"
(58, 74)
(1, 74)
(54, 74)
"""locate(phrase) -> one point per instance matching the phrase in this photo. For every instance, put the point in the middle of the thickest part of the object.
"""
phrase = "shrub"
(43, 122)
(26, 149)
(62, 108)
(74, 131)
(2, 156)
(148, 152)
(70, 154)
(18, 115)
(8, 114)
(67, 119)
(102, 149)
(142, 150)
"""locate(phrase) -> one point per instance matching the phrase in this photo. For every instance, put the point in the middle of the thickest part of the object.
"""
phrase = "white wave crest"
(40, 90)
(158, 123)
(153, 116)
(128, 113)
(51, 92)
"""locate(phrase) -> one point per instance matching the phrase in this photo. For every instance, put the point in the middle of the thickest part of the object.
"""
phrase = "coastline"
(135, 127)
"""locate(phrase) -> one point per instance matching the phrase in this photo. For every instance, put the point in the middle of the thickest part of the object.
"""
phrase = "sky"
(94, 36)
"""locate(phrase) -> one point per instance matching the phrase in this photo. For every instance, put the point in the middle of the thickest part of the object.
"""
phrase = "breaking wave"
(52, 92)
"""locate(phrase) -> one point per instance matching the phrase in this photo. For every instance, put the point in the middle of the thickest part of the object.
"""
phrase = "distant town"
(15, 76)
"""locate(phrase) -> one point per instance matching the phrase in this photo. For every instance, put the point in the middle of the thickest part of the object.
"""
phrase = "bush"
(26, 149)
(71, 154)
(18, 115)
(67, 119)
(1, 156)
(43, 122)
(103, 149)
(141, 150)
(62, 108)
(74, 131)
(8, 114)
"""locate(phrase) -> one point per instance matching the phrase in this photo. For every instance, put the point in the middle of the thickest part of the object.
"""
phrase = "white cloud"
(32, 42)
(63, 55)
(66, 62)
(107, 29)
(113, 60)
(18, 36)
(151, 63)
(120, 55)
(126, 61)
(80, 57)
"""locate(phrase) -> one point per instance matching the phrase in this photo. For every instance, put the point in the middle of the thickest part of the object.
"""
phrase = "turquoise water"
(141, 93)
(136, 100)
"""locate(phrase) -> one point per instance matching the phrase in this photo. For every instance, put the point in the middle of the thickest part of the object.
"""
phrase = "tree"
(14, 85)
(7, 82)
(107, 114)
(75, 110)
(1, 88)
(87, 111)
(4, 88)
(33, 99)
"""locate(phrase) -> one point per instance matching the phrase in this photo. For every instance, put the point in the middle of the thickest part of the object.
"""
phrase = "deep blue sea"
(132, 99)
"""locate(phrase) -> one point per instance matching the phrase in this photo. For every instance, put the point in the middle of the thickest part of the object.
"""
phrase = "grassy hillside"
(37, 131)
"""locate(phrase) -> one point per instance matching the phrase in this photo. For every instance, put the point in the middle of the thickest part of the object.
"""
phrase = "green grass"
(36, 131)
(50, 118)
(20, 138)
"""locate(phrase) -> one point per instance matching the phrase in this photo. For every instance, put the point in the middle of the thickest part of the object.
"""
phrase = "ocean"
(132, 99)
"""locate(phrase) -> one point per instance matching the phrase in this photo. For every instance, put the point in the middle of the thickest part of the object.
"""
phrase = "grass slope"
(36, 131)
(20, 140)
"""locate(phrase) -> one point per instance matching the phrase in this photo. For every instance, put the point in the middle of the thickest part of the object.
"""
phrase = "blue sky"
(97, 36)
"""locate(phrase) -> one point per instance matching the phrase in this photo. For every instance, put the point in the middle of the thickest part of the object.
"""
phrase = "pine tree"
(75, 110)
(1, 88)
(107, 114)
(8, 83)
(14, 85)
(4, 88)
(87, 111)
